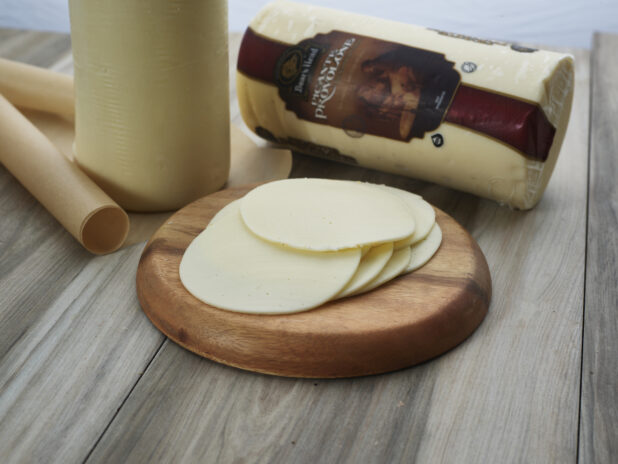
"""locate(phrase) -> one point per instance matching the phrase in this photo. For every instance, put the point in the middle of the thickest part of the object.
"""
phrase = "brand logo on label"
(289, 66)
(295, 67)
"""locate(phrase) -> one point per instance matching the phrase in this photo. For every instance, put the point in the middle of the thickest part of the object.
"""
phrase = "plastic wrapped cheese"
(480, 116)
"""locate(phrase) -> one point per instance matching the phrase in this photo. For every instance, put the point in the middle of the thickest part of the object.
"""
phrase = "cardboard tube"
(35, 88)
(87, 213)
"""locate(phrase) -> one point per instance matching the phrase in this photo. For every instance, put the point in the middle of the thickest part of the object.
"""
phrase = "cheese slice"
(423, 212)
(370, 266)
(423, 251)
(395, 266)
(325, 215)
(230, 268)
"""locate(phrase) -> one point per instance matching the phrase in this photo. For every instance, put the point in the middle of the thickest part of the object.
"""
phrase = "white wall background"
(551, 22)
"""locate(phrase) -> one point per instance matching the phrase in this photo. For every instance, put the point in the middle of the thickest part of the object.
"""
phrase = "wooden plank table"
(85, 377)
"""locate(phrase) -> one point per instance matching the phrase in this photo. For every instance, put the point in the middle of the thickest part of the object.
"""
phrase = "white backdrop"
(552, 22)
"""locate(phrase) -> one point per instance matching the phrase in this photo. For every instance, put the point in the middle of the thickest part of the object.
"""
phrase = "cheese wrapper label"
(365, 85)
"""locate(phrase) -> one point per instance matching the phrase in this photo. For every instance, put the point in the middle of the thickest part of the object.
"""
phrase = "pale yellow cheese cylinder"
(152, 109)
(467, 161)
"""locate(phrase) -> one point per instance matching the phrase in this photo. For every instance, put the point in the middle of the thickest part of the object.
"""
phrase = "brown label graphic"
(365, 85)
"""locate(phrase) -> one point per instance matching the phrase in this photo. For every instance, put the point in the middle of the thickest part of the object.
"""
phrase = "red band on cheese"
(258, 56)
(519, 124)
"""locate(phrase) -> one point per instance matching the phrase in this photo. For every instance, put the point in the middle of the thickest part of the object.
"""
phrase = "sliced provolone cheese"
(395, 266)
(423, 212)
(421, 253)
(230, 268)
(370, 266)
(325, 215)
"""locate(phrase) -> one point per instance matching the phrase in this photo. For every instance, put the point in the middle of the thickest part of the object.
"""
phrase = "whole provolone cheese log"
(480, 116)
(151, 87)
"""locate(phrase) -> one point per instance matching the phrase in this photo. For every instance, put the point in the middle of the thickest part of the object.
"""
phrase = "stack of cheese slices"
(292, 245)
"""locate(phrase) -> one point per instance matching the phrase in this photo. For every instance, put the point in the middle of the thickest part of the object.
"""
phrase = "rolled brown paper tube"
(36, 88)
(85, 211)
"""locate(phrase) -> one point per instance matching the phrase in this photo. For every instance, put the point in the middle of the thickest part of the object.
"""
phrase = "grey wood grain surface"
(599, 416)
(84, 376)
(73, 341)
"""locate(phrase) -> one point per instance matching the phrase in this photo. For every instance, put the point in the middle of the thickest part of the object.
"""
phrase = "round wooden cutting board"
(409, 320)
